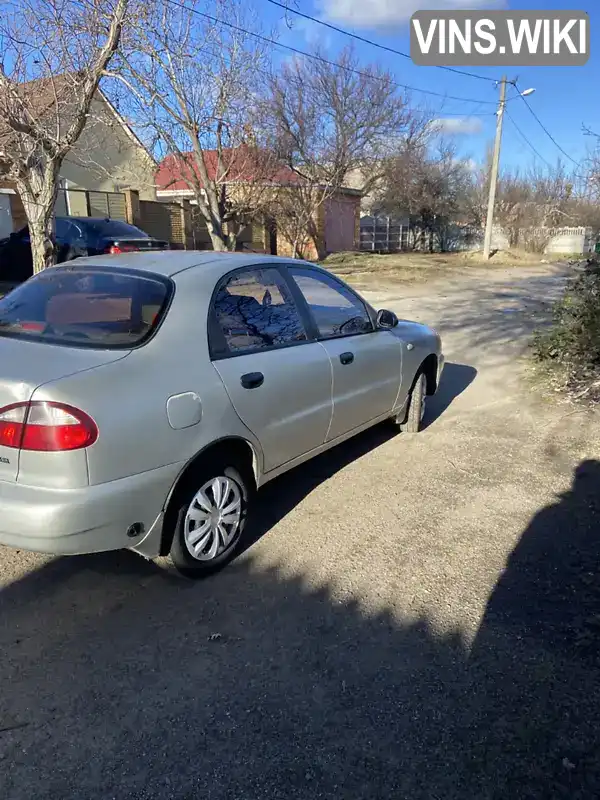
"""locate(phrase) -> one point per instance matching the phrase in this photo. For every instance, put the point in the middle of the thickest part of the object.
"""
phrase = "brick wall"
(162, 221)
(309, 250)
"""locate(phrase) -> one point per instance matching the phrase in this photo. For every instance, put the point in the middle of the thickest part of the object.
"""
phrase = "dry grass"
(369, 269)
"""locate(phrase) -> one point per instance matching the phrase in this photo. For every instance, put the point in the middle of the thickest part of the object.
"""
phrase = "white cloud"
(380, 13)
(458, 125)
(471, 164)
(313, 34)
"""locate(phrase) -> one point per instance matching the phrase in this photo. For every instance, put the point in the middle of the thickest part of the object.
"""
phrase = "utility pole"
(487, 242)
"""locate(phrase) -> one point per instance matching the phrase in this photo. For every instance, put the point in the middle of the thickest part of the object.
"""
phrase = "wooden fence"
(85, 203)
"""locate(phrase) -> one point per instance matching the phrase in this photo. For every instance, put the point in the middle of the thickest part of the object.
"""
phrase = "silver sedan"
(144, 398)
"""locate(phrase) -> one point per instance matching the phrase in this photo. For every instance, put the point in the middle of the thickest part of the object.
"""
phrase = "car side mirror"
(386, 319)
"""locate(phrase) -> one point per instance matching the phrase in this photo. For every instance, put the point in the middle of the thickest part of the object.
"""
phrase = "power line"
(537, 153)
(314, 56)
(526, 140)
(375, 44)
(545, 129)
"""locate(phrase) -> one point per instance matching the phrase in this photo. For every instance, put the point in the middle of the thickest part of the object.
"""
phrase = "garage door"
(339, 224)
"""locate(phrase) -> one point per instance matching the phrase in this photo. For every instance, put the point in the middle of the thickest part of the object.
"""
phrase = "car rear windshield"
(85, 307)
(113, 228)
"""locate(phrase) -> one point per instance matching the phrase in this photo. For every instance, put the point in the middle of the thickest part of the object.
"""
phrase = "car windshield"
(112, 228)
(85, 307)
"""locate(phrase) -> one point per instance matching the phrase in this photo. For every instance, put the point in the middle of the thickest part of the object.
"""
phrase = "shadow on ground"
(120, 680)
(494, 316)
(456, 378)
(280, 496)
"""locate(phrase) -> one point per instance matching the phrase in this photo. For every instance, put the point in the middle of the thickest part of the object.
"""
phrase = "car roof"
(172, 262)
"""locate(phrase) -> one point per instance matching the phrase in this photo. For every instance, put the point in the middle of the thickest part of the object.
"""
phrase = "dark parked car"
(75, 236)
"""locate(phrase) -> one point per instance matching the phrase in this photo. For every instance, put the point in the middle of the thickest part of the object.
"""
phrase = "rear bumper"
(88, 520)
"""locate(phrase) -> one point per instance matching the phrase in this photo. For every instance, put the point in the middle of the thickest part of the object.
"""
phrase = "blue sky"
(566, 98)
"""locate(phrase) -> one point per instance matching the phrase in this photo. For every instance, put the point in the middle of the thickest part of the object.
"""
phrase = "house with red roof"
(260, 179)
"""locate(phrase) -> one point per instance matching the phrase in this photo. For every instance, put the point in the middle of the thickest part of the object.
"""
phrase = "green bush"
(573, 339)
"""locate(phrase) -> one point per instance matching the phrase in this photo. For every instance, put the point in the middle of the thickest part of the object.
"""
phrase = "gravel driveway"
(418, 617)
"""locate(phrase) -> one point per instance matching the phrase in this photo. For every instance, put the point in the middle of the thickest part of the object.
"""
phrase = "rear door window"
(255, 310)
(86, 307)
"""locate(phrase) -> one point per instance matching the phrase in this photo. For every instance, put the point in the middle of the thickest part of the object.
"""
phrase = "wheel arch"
(429, 366)
(244, 457)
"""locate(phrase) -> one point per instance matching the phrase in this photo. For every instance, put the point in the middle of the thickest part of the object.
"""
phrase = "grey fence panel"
(116, 205)
(381, 234)
(98, 204)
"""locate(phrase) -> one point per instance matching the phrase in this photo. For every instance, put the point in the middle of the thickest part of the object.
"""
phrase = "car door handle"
(347, 358)
(252, 380)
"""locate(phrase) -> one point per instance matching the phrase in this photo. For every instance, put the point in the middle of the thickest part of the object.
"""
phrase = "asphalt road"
(417, 616)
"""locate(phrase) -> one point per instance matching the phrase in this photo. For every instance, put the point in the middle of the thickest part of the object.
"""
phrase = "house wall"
(285, 247)
(337, 224)
(6, 223)
(19, 220)
(360, 179)
(342, 214)
(107, 158)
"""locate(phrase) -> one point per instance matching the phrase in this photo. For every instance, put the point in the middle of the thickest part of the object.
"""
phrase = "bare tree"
(589, 183)
(427, 181)
(295, 210)
(531, 203)
(192, 79)
(325, 121)
(54, 54)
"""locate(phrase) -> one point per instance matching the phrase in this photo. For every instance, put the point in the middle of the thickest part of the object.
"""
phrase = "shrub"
(573, 339)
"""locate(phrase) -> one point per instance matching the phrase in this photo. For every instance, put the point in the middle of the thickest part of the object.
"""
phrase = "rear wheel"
(210, 520)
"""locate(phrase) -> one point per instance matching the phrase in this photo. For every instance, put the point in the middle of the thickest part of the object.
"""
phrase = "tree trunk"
(43, 253)
(218, 241)
(221, 241)
(295, 252)
(234, 228)
(38, 195)
(318, 241)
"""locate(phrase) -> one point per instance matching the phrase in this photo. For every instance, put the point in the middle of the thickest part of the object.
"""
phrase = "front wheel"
(415, 412)
(210, 522)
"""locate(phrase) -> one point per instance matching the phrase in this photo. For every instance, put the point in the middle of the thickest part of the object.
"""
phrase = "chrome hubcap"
(213, 518)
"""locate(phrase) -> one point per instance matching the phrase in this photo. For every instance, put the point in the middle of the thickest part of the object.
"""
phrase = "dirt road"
(417, 618)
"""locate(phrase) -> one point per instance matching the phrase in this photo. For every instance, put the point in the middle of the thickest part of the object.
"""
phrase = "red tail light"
(46, 426)
(115, 249)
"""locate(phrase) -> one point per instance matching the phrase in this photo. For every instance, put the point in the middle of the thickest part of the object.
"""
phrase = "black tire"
(180, 555)
(414, 413)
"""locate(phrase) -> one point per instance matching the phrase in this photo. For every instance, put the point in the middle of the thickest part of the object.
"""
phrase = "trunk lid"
(25, 365)
(129, 243)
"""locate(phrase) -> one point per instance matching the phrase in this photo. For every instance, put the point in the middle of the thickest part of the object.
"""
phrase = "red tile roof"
(241, 164)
